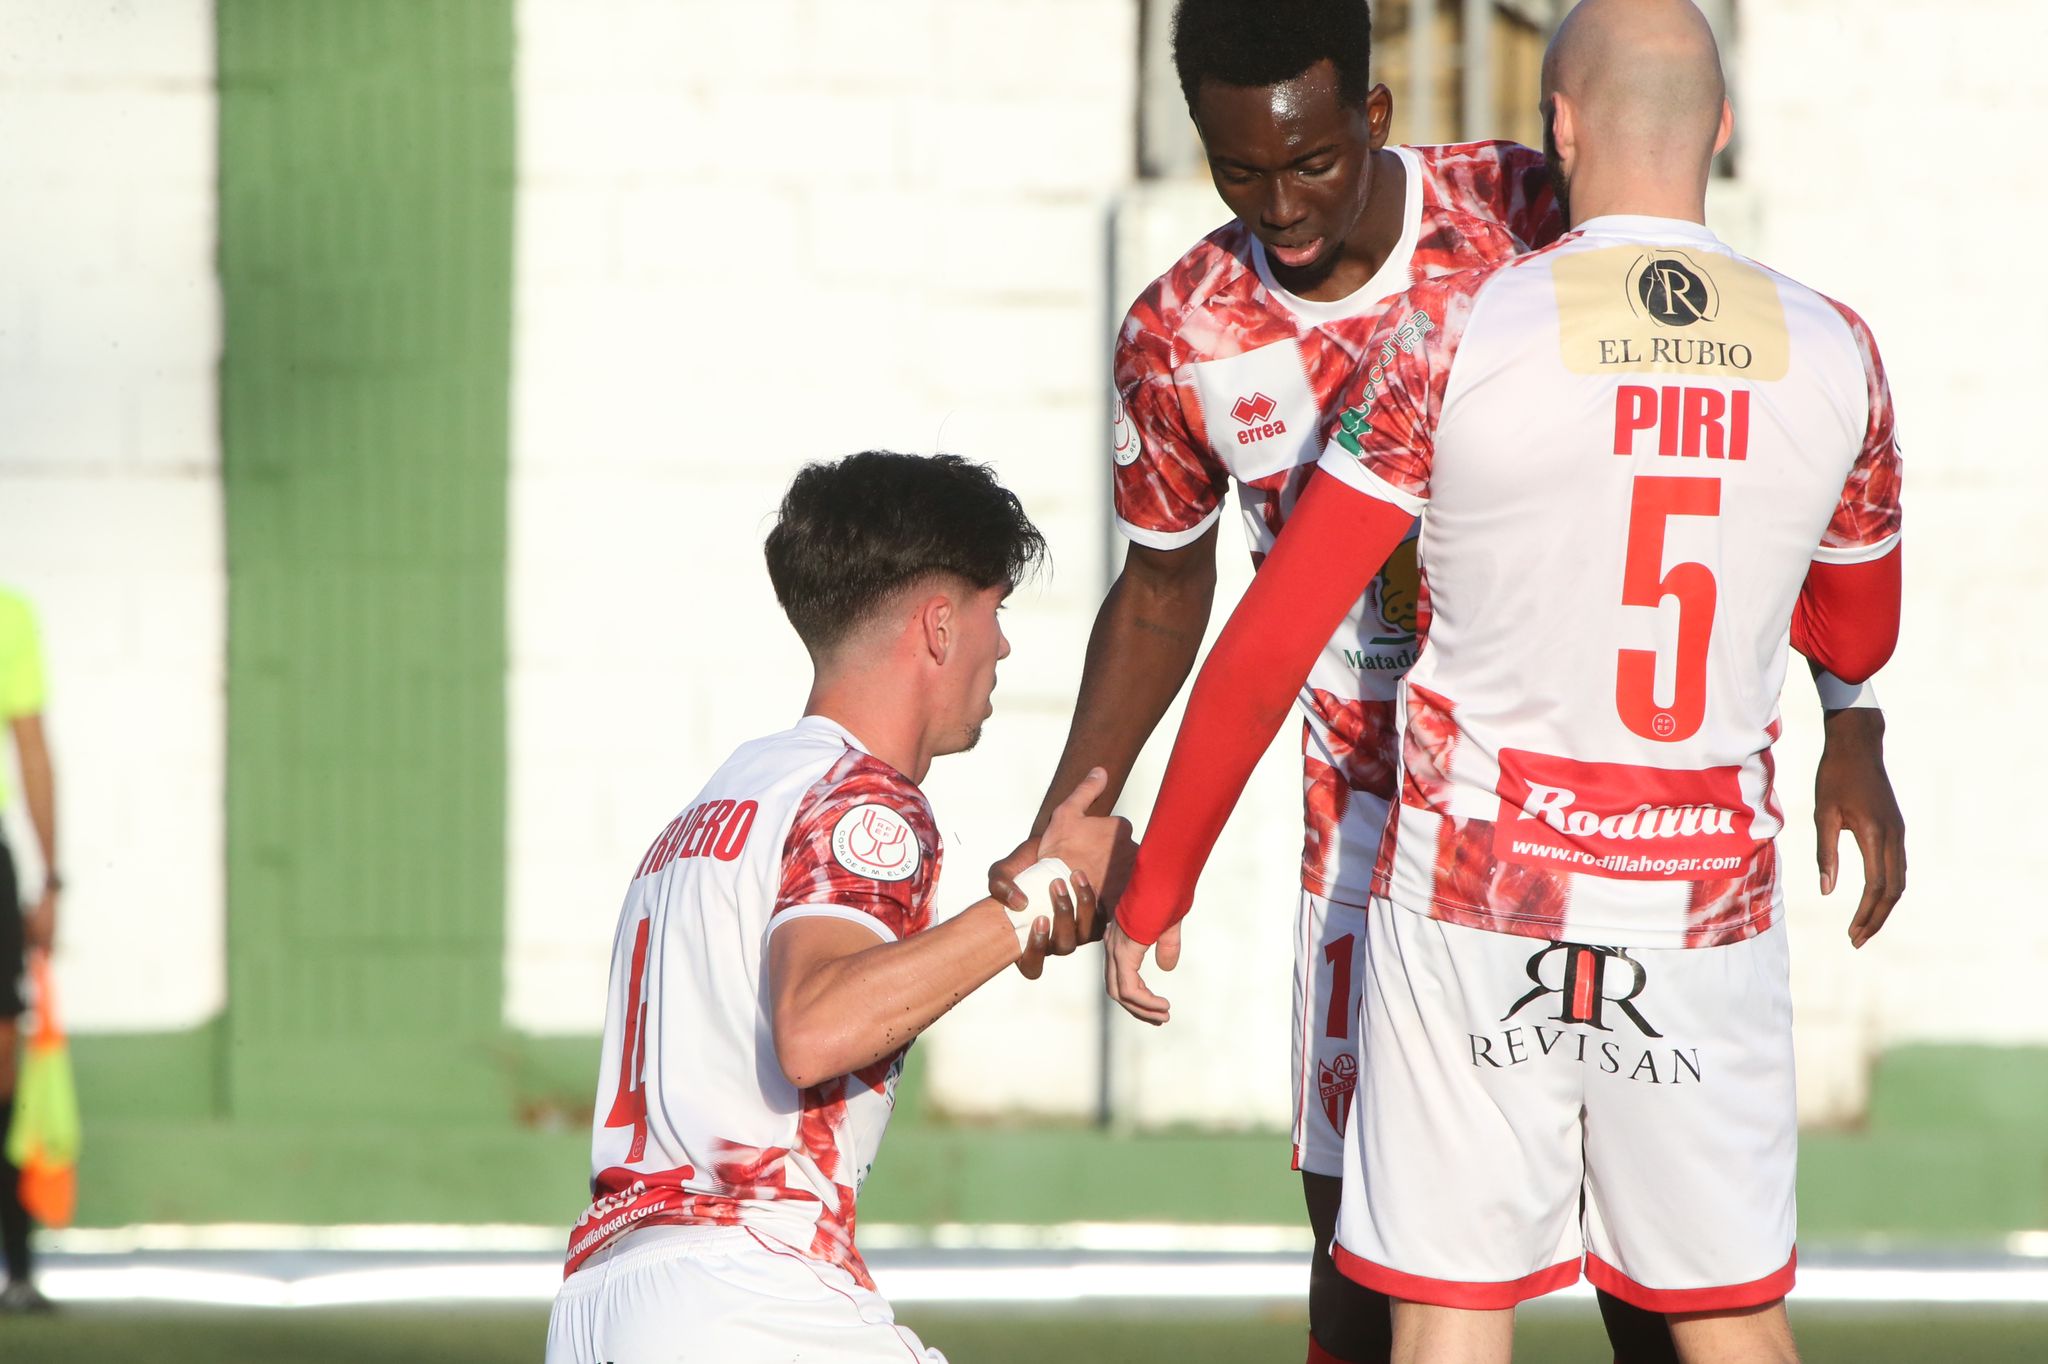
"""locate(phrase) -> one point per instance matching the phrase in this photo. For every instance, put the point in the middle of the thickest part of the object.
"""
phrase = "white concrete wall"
(110, 507)
(752, 235)
(1885, 160)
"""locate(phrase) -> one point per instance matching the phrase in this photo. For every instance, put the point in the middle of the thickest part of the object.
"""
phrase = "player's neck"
(1596, 195)
(1370, 243)
(878, 718)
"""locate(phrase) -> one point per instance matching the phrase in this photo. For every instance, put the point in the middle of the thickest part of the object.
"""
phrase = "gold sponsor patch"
(1657, 310)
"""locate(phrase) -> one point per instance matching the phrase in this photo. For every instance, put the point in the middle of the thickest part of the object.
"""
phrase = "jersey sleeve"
(21, 660)
(1382, 438)
(1868, 518)
(1168, 485)
(864, 848)
(1504, 183)
(1529, 208)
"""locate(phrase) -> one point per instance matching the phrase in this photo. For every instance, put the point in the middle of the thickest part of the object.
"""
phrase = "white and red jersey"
(1627, 450)
(695, 1122)
(1222, 376)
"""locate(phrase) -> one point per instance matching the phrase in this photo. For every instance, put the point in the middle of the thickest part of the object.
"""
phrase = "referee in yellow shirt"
(21, 705)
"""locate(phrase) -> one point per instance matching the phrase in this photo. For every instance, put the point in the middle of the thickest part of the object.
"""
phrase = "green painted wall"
(1955, 1151)
(367, 163)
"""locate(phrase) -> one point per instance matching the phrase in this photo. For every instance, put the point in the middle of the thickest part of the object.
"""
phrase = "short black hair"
(852, 531)
(1267, 42)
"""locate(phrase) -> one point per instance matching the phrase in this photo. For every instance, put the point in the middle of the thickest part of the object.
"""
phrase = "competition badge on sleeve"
(1123, 437)
(876, 842)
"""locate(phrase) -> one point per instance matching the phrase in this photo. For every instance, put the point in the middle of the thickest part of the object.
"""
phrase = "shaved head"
(1640, 84)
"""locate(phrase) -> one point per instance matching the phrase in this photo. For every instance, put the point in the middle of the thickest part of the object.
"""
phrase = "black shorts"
(12, 961)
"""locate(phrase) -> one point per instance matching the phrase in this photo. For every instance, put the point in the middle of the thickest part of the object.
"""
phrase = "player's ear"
(1379, 116)
(937, 627)
(1563, 131)
(1727, 128)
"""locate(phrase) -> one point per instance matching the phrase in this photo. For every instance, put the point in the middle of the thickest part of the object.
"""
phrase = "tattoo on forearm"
(1159, 628)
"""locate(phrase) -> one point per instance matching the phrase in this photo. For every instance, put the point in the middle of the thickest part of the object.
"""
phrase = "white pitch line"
(1078, 1282)
(1138, 1238)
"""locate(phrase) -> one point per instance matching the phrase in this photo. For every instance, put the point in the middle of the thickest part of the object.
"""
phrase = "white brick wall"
(1916, 213)
(110, 515)
(751, 236)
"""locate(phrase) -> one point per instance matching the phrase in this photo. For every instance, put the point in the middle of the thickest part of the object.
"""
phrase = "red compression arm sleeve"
(1333, 544)
(1847, 616)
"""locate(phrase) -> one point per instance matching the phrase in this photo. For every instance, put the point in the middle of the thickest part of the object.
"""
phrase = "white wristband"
(1036, 883)
(1835, 694)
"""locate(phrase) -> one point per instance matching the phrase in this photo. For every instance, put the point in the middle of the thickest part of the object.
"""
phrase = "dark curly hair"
(852, 531)
(1266, 42)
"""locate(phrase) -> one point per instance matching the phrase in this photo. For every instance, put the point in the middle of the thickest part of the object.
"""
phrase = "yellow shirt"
(21, 667)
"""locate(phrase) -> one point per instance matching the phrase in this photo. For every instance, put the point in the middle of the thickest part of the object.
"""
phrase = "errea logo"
(1255, 415)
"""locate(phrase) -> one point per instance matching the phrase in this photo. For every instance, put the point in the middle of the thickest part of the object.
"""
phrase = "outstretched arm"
(840, 1000)
(1336, 539)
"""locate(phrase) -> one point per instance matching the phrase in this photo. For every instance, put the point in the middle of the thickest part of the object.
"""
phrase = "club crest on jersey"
(1337, 1081)
(1255, 415)
(876, 842)
(1671, 289)
(1123, 438)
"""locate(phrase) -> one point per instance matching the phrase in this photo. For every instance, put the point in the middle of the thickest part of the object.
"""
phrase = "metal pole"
(1476, 114)
(1421, 119)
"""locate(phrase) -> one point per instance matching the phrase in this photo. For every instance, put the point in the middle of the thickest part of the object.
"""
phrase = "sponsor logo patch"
(1255, 415)
(1396, 594)
(1618, 820)
(1673, 290)
(1253, 410)
(1599, 1021)
(875, 841)
(1626, 310)
(1587, 980)
(1355, 423)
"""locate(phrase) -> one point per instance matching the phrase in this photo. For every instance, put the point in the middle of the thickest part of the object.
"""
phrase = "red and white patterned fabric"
(695, 1123)
(1223, 376)
(1609, 590)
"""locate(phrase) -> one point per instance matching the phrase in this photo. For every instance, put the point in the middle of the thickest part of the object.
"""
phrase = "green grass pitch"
(1125, 1335)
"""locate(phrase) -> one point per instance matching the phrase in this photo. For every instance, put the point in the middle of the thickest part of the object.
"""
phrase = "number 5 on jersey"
(1646, 582)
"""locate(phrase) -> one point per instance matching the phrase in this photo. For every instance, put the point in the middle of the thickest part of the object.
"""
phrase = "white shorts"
(1329, 946)
(721, 1295)
(1525, 1105)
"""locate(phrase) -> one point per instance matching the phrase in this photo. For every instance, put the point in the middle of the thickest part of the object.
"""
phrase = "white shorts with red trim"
(721, 1295)
(1329, 945)
(1524, 1105)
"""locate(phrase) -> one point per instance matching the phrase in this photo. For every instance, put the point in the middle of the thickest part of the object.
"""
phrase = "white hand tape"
(1036, 883)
